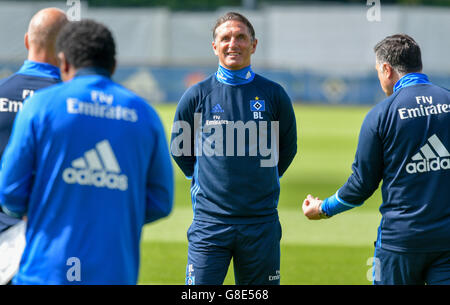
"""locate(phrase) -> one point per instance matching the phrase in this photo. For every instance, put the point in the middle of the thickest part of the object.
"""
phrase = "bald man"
(38, 71)
(41, 35)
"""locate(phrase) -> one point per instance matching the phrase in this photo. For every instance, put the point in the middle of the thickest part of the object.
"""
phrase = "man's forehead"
(230, 26)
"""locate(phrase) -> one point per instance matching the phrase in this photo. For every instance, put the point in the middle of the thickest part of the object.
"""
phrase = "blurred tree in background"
(214, 4)
(203, 5)
(172, 4)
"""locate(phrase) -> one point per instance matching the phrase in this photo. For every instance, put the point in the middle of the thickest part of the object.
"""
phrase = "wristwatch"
(322, 214)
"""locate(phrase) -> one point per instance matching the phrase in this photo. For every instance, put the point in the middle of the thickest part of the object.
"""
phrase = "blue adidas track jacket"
(405, 142)
(14, 89)
(230, 151)
(88, 163)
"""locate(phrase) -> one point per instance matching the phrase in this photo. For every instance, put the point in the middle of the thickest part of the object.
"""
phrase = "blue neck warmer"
(411, 79)
(39, 69)
(235, 77)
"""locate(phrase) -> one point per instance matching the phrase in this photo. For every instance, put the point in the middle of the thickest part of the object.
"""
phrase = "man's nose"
(233, 41)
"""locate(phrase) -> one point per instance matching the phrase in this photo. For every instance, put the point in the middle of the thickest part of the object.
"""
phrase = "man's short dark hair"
(237, 17)
(401, 52)
(87, 43)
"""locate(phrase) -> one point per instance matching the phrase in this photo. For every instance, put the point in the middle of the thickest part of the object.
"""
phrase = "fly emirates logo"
(433, 156)
(425, 108)
(101, 106)
(98, 167)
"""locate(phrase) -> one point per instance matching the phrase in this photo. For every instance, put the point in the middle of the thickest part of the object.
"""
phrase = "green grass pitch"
(333, 251)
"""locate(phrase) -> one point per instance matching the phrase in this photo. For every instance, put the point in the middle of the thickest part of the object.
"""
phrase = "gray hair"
(234, 16)
(401, 52)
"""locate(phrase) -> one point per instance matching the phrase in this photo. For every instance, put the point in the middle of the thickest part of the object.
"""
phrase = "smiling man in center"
(234, 196)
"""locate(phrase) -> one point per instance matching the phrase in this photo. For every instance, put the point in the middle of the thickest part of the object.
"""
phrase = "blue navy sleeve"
(367, 170)
(160, 184)
(17, 166)
(288, 132)
(183, 133)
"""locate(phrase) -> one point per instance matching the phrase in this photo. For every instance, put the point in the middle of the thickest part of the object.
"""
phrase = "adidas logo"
(433, 156)
(217, 109)
(98, 167)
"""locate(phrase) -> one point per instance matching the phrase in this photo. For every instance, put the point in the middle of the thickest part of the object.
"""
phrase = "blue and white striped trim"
(334, 205)
(11, 213)
(195, 189)
(194, 192)
(374, 265)
(379, 235)
(341, 201)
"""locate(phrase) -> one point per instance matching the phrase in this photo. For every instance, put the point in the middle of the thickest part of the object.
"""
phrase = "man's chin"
(234, 65)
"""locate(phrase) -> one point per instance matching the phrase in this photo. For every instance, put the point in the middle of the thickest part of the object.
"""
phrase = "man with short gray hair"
(404, 141)
(235, 179)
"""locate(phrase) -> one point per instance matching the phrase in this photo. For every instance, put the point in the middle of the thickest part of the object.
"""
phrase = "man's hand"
(311, 207)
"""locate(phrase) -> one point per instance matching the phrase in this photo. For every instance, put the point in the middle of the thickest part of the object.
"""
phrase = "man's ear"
(114, 68)
(26, 42)
(214, 47)
(66, 69)
(388, 71)
(255, 43)
(63, 64)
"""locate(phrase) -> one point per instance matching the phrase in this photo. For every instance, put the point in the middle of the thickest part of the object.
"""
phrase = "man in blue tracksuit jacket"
(38, 71)
(404, 141)
(235, 135)
(88, 164)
